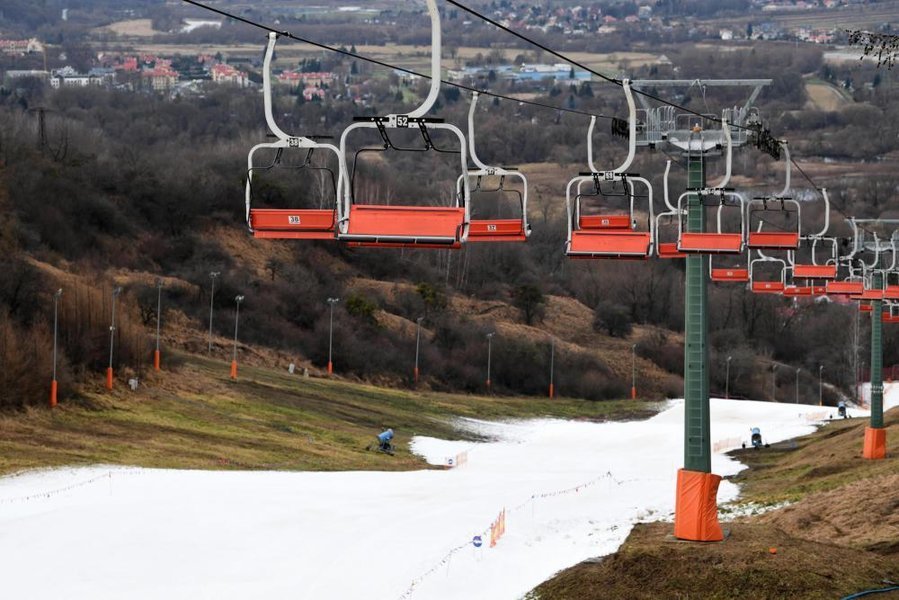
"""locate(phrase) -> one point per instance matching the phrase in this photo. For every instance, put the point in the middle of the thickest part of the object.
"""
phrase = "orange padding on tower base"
(696, 507)
(875, 442)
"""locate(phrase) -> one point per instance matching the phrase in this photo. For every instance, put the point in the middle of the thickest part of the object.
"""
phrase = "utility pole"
(156, 354)
(109, 373)
(332, 302)
(552, 367)
(727, 378)
(212, 276)
(774, 382)
(489, 351)
(797, 385)
(633, 371)
(820, 385)
(53, 384)
(237, 301)
(417, 346)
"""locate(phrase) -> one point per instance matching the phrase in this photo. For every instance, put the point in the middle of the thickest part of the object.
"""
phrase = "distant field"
(824, 96)
(860, 16)
(132, 28)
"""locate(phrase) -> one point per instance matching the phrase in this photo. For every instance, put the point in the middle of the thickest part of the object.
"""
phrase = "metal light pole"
(797, 385)
(332, 302)
(53, 384)
(489, 354)
(156, 355)
(820, 387)
(552, 367)
(212, 276)
(727, 378)
(774, 383)
(417, 346)
(633, 371)
(115, 294)
(238, 300)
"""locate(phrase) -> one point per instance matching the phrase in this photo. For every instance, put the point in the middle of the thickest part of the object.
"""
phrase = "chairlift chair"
(891, 314)
(718, 241)
(890, 290)
(289, 223)
(766, 286)
(852, 285)
(494, 229)
(787, 239)
(666, 249)
(609, 234)
(817, 269)
(406, 224)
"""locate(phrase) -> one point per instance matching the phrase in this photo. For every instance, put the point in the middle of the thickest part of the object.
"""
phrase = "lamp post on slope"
(727, 378)
(489, 356)
(774, 382)
(417, 346)
(237, 300)
(633, 371)
(53, 385)
(820, 386)
(109, 373)
(552, 367)
(797, 385)
(156, 355)
(212, 276)
(332, 302)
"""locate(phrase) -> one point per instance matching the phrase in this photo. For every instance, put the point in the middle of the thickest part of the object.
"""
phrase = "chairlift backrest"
(787, 239)
(667, 249)
(767, 286)
(495, 229)
(610, 235)
(289, 223)
(399, 225)
(718, 241)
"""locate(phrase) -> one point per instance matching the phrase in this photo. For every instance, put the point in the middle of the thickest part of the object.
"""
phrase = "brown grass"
(195, 417)
(651, 565)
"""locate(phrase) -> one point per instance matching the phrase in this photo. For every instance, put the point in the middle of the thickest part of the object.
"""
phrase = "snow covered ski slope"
(571, 490)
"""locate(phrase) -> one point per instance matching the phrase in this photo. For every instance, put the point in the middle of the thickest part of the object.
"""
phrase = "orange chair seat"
(891, 292)
(496, 230)
(774, 240)
(730, 275)
(610, 244)
(669, 250)
(605, 222)
(710, 243)
(869, 295)
(865, 308)
(292, 223)
(797, 291)
(815, 271)
(845, 287)
(767, 287)
(398, 226)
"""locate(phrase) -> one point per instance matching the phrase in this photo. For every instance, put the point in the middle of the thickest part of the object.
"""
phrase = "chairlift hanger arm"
(728, 157)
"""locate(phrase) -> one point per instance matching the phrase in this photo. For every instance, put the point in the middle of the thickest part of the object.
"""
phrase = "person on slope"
(384, 439)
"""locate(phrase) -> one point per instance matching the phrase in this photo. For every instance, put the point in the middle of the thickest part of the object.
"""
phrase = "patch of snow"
(571, 490)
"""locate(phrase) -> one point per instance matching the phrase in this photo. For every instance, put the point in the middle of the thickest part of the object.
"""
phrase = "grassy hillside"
(196, 417)
(839, 537)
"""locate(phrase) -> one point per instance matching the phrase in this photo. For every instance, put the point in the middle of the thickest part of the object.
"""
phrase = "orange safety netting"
(875, 442)
(696, 507)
